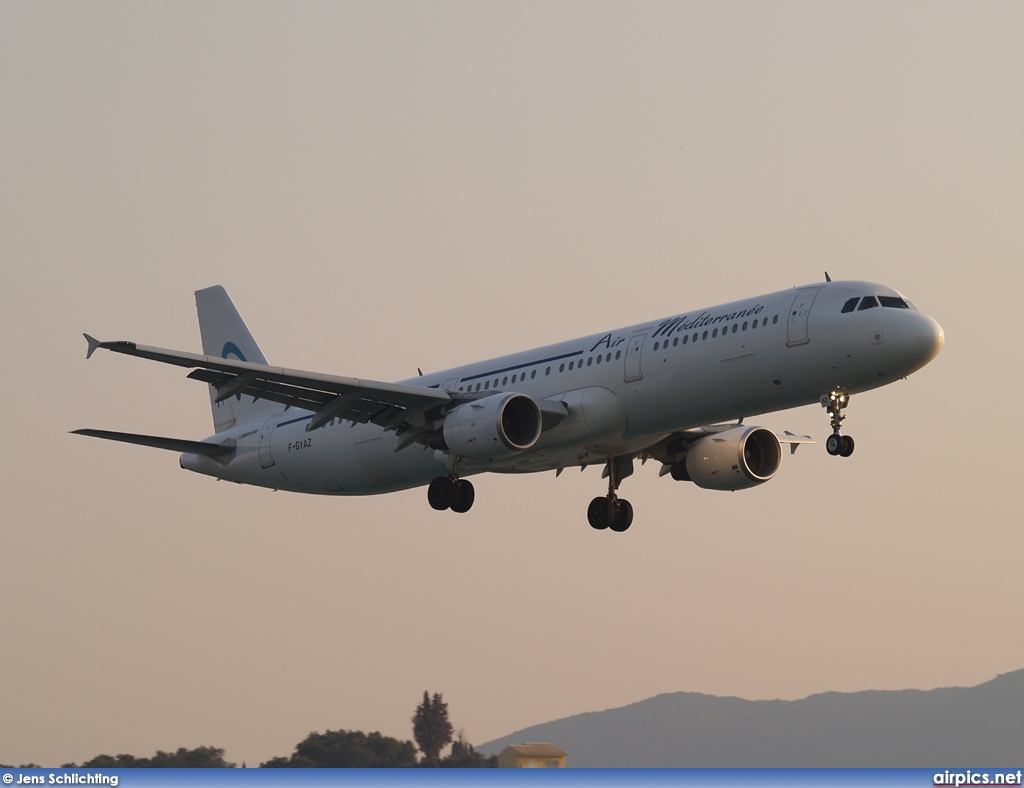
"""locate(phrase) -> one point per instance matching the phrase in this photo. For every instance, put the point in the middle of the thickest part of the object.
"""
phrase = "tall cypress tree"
(430, 726)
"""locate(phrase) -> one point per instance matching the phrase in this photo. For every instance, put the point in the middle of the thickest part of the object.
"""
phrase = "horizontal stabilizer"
(93, 344)
(172, 444)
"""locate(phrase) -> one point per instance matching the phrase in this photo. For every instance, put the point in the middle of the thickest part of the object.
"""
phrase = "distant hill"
(957, 726)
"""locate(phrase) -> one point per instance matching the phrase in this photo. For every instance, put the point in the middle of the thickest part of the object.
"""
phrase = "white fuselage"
(624, 390)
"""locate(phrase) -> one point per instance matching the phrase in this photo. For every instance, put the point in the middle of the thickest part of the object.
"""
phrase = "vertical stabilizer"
(225, 335)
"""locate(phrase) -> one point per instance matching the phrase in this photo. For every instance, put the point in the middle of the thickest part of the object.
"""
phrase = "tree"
(430, 726)
(347, 749)
(199, 758)
(464, 756)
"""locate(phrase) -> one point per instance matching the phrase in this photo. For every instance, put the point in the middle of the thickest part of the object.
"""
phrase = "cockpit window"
(850, 305)
(867, 303)
(893, 302)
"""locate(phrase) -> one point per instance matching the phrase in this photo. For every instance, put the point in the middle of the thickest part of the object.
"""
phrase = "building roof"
(539, 750)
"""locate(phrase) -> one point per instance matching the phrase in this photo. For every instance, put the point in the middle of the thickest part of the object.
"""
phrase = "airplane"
(675, 390)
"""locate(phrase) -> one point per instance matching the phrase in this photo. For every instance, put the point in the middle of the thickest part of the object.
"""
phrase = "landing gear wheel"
(623, 515)
(837, 443)
(611, 511)
(441, 493)
(601, 513)
(463, 496)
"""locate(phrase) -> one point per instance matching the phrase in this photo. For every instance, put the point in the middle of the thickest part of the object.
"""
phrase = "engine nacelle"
(737, 459)
(494, 427)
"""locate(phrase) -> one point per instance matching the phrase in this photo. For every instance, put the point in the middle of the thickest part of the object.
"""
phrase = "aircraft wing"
(392, 405)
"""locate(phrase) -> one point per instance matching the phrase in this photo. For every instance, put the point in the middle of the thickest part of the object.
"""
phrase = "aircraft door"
(799, 313)
(266, 458)
(633, 352)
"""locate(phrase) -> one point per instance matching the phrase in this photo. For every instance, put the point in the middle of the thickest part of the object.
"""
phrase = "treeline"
(199, 758)
(355, 749)
(432, 731)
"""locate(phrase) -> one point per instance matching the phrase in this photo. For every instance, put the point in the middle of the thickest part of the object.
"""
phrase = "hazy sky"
(386, 186)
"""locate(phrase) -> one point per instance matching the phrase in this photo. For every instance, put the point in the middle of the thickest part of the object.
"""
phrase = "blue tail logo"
(231, 349)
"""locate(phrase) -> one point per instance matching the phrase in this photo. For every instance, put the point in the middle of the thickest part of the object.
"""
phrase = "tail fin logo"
(231, 349)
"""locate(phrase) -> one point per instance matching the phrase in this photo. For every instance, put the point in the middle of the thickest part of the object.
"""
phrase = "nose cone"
(921, 339)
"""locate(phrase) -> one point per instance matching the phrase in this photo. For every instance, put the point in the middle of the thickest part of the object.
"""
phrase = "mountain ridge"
(960, 726)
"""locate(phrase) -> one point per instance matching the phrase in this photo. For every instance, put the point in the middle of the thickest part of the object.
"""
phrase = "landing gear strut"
(611, 511)
(451, 492)
(837, 443)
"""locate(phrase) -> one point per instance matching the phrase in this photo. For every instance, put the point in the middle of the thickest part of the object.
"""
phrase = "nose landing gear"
(837, 443)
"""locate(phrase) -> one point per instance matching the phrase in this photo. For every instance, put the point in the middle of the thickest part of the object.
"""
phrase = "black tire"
(846, 449)
(440, 493)
(463, 497)
(600, 513)
(834, 444)
(623, 516)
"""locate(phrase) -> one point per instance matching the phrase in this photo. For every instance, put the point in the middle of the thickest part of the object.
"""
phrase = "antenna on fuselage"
(827, 277)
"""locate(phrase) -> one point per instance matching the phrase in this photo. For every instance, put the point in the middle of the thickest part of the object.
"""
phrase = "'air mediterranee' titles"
(670, 326)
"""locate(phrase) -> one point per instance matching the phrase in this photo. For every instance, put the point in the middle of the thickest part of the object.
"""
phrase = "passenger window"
(735, 328)
(590, 361)
(533, 374)
(487, 385)
(571, 363)
(561, 367)
(618, 354)
(704, 335)
(744, 325)
(774, 320)
(867, 303)
(598, 358)
(685, 337)
(608, 357)
(504, 381)
(656, 345)
(850, 305)
(714, 333)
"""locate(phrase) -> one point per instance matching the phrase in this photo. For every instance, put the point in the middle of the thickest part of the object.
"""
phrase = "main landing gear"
(446, 492)
(837, 443)
(611, 511)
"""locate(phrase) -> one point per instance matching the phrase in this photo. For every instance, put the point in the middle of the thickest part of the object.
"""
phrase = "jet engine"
(736, 459)
(494, 427)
